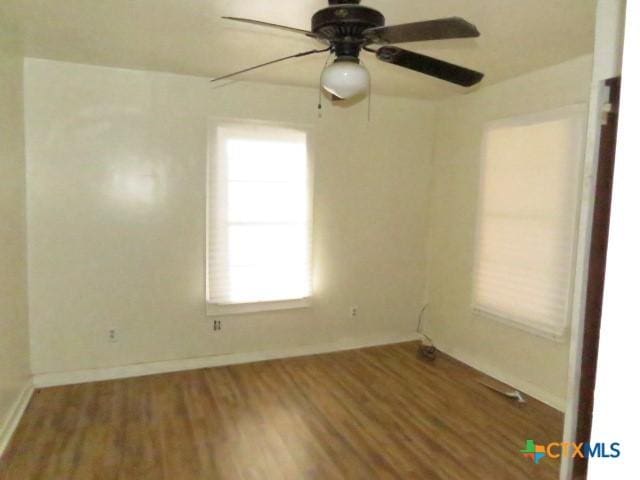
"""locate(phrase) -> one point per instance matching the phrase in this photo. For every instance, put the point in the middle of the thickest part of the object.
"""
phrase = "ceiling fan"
(347, 28)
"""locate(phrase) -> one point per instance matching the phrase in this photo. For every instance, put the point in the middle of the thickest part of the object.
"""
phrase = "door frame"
(596, 271)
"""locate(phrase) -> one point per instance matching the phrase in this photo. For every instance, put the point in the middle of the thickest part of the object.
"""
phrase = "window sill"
(219, 310)
(550, 334)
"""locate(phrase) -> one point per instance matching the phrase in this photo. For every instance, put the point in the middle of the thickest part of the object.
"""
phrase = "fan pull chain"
(369, 109)
(369, 102)
(368, 95)
(326, 62)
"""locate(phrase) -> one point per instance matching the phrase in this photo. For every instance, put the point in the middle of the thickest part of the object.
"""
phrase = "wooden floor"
(375, 413)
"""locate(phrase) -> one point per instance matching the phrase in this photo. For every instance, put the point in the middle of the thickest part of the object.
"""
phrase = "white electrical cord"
(513, 394)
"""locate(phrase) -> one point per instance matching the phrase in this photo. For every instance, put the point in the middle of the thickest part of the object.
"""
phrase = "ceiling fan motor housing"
(343, 23)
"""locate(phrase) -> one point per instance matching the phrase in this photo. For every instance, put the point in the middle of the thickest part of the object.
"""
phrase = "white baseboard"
(7, 430)
(523, 386)
(141, 369)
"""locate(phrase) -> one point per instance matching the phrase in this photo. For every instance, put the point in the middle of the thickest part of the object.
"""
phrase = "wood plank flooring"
(376, 413)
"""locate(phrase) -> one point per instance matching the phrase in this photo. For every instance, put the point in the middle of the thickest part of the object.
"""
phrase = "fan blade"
(303, 54)
(429, 66)
(272, 25)
(441, 29)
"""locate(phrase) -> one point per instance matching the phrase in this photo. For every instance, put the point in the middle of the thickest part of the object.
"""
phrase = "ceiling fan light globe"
(345, 79)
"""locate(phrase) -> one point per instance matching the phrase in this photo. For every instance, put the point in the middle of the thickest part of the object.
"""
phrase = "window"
(524, 258)
(259, 242)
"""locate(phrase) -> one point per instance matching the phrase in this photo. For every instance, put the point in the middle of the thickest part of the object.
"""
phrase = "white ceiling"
(188, 37)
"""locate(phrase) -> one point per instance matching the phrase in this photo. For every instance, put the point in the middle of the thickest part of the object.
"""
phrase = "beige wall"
(100, 260)
(533, 363)
(14, 342)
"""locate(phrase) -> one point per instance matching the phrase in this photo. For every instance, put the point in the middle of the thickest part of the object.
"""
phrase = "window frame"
(577, 110)
(218, 309)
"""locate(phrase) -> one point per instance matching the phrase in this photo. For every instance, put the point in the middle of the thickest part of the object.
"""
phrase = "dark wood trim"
(596, 273)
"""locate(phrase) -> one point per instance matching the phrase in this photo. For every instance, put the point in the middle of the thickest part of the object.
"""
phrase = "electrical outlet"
(354, 311)
(217, 325)
(113, 336)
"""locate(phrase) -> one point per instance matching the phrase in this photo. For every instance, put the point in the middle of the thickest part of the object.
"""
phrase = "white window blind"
(524, 258)
(259, 242)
